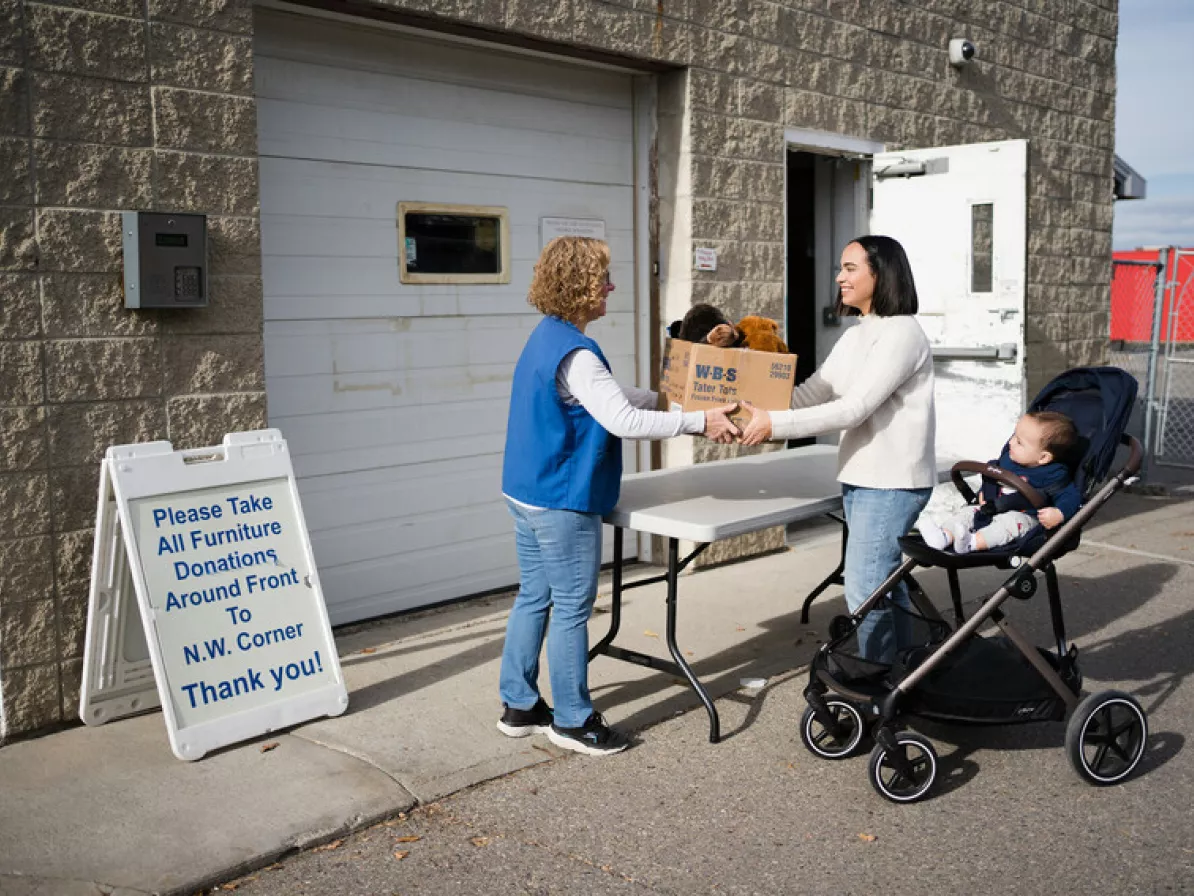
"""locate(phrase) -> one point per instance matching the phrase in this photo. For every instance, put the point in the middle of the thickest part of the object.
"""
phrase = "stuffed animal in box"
(706, 323)
(761, 334)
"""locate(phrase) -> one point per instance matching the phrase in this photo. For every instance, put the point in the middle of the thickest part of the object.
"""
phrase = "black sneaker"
(525, 722)
(594, 737)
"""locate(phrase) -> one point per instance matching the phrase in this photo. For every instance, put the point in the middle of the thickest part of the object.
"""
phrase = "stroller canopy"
(1099, 400)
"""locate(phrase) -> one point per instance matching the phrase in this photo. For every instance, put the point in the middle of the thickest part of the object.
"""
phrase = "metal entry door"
(961, 214)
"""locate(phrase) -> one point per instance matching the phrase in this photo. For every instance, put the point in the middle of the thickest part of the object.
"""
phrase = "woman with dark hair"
(876, 388)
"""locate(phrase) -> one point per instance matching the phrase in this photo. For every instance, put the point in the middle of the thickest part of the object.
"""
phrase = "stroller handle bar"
(990, 471)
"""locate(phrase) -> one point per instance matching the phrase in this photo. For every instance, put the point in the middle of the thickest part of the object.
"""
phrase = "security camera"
(961, 51)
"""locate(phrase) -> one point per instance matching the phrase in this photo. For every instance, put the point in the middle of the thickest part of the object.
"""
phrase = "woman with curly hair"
(561, 474)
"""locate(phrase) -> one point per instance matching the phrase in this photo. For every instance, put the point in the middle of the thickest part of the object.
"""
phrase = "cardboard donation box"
(697, 376)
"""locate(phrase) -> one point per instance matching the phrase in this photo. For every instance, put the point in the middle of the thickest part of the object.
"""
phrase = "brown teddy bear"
(761, 334)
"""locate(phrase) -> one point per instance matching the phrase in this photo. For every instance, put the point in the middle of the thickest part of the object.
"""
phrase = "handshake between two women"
(720, 428)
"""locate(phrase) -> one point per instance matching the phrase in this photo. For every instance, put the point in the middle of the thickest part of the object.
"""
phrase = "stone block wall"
(109, 106)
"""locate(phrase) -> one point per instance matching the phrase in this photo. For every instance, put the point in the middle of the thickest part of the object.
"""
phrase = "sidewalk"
(110, 810)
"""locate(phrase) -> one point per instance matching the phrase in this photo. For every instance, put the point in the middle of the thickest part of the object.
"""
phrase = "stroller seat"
(1005, 557)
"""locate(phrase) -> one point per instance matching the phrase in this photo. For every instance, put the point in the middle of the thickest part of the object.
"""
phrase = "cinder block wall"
(105, 106)
(108, 105)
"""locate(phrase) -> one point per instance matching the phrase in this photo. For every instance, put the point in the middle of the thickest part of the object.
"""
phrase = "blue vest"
(557, 455)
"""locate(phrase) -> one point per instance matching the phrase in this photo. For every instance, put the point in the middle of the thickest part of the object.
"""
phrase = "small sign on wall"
(704, 259)
(550, 228)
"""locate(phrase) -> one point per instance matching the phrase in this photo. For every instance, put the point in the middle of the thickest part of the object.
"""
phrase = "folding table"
(705, 503)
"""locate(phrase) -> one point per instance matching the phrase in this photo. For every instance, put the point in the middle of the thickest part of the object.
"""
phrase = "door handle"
(1007, 351)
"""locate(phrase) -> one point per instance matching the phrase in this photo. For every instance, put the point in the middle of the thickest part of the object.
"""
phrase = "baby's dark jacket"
(1054, 481)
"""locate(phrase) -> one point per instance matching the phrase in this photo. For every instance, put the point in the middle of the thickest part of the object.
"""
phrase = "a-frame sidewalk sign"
(204, 597)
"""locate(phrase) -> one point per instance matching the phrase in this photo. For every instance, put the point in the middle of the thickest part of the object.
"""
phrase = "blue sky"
(1154, 121)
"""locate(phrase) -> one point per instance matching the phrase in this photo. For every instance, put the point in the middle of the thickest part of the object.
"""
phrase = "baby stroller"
(951, 672)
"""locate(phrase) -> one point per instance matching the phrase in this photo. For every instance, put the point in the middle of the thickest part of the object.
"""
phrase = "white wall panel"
(393, 397)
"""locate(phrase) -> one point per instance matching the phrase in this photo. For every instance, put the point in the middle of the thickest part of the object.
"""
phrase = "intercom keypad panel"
(165, 260)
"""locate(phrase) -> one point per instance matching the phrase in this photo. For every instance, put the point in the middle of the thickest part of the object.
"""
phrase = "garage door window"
(453, 243)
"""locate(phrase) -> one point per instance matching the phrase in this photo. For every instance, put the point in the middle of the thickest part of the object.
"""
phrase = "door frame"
(829, 145)
(645, 90)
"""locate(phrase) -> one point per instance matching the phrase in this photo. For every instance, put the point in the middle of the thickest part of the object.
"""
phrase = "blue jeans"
(559, 556)
(877, 517)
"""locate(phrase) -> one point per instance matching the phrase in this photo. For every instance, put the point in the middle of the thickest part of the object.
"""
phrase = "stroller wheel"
(827, 742)
(1105, 737)
(906, 776)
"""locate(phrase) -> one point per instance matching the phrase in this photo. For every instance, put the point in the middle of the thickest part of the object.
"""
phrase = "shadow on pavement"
(784, 645)
(487, 650)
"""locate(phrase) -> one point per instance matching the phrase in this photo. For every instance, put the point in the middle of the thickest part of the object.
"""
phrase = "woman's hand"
(1050, 517)
(758, 430)
(718, 425)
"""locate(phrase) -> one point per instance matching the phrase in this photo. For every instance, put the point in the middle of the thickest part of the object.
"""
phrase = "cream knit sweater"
(876, 386)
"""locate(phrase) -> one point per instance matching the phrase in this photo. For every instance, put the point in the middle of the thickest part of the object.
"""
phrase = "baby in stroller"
(1039, 452)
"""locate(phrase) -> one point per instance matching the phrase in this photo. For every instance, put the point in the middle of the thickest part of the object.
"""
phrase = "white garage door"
(392, 396)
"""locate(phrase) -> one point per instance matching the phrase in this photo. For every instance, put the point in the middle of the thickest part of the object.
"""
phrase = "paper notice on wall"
(550, 228)
(704, 259)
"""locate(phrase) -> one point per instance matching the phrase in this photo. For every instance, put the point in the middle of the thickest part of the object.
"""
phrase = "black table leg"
(605, 647)
(673, 574)
(834, 578)
(615, 610)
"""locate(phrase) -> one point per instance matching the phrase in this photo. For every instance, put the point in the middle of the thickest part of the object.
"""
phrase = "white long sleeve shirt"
(626, 412)
(876, 386)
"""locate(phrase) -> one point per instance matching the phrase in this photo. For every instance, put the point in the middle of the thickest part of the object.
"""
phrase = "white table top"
(708, 502)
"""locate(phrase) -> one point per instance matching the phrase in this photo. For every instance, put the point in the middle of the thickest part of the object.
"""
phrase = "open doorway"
(826, 206)
(801, 283)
